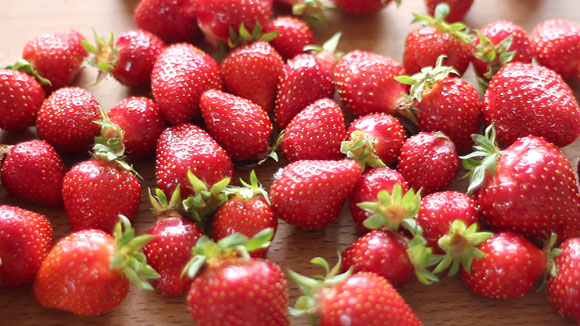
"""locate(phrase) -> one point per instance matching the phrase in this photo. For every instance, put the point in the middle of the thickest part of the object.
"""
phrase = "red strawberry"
(56, 57)
(557, 46)
(362, 7)
(563, 287)
(428, 161)
(172, 20)
(252, 72)
(88, 272)
(458, 8)
(520, 102)
(360, 72)
(315, 133)
(294, 35)
(310, 194)
(20, 99)
(141, 122)
(25, 239)
(510, 268)
(33, 171)
(66, 120)
(181, 74)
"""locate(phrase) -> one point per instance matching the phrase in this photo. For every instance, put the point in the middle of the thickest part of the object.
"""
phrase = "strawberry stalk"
(313, 10)
(243, 36)
(25, 67)
(360, 148)
(488, 152)
(551, 254)
(162, 207)
(457, 29)
(328, 49)
(496, 56)
(249, 190)
(204, 201)
(105, 55)
(422, 257)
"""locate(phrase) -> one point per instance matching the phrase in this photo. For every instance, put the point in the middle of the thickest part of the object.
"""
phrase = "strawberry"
(88, 272)
(428, 161)
(129, 59)
(247, 211)
(360, 72)
(257, 287)
(21, 97)
(519, 102)
(310, 194)
(56, 57)
(510, 268)
(141, 122)
(457, 8)
(66, 120)
(294, 35)
(258, 65)
(557, 46)
(563, 290)
(241, 127)
(315, 133)
(180, 75)
(362, 7)
(33, 171)
(171, 20)
(426, 44)
(25, 239)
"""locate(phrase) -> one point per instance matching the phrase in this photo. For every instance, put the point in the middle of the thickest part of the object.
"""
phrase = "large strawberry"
(25, 239)
(563, 285)
(181, 74)
(21, 99)
(520, 102)
(172, 20)
(88, 272)
(362, 7)
(458, 8)
(557, 46)
(293, 36)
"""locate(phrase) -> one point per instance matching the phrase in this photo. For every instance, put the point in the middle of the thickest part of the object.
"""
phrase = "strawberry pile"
(389, 138)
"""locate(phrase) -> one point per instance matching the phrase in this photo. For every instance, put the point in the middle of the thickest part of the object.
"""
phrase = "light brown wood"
(447, 303)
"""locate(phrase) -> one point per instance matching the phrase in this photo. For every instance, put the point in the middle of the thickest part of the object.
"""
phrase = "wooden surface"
(447, 303)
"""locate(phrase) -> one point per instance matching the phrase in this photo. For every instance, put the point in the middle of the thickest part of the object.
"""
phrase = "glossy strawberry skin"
(188, 147)
(315, 133)
(511, 267)
(141, 121)
(458, 8)
(240, 292)
(180, 75)
(25, 239)
(66, 120)
(382, 253)
(385, 132)
(169, 251)
(520, 102)
(361, 7)
(310, 194)
(172, 20)
(252, 72)
(366, 190)
(360, 72)
(563, 290)
(33, 171)
(557, 46)
(96, 192)
(76, 275)
(294, 35)
(20, 99)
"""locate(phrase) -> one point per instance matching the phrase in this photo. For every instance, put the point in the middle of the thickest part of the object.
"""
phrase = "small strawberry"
(180, 75)
(428, 161)
(315, 133)
(563, 285)
(33, 171)
(25, 239)
(294, 35)
(363, 7)
(88, 272)
(20, 99)
(457, 8)
(141, 122)
(66, 120)
(557, 46)
(171, 20)
(241, 127)
(310, 194)
(520, 102)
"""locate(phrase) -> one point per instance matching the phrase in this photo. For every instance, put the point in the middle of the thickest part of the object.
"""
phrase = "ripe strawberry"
(294, 35)
(563, 290)
(180, 75)
(56, 57)
(360, 72)
(363, 7)
(458, 8)
(315, 133)
(258, 65)
(25, 239)
(33, 171)
(520, 102)
(66, 120)
(557, 46)
(88, 272)
(510, 268)
(130, 59)
(20, 99)
(426, 44)
(141, 122)
(310, 194)
(172, 20)
(428, 161)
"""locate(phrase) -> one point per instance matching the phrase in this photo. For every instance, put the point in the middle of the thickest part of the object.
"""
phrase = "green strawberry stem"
(313, 10)
(249, 190)
(457, 29)
(361, 148)
(328, 50)
(421, 258)
(551, 254)
(496, 56)
(423, 81)
(162, 207)
(105, 55)
(25, 67)
(488, 152)
(204, 201)
(243, 36)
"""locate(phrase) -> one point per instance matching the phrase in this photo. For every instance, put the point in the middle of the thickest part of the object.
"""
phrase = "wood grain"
(447, 303)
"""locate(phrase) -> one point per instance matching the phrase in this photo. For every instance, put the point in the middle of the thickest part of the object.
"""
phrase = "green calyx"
(329, 47)
(460, 246)
(458, 29)
(105, 54)
(25, 67)
(162, 207)
(423, 81)
(128, 257)
(483, 160)
(204, 201)
(421, 258)
(313, 10)
(551, 254)
(361, 148)
(495, 56)
(243, 36)
(249, 190)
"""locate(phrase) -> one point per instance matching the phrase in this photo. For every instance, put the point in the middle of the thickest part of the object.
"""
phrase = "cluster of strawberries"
(418, 117)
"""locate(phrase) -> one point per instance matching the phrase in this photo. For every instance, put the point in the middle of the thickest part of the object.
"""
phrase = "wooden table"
(447, 303)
